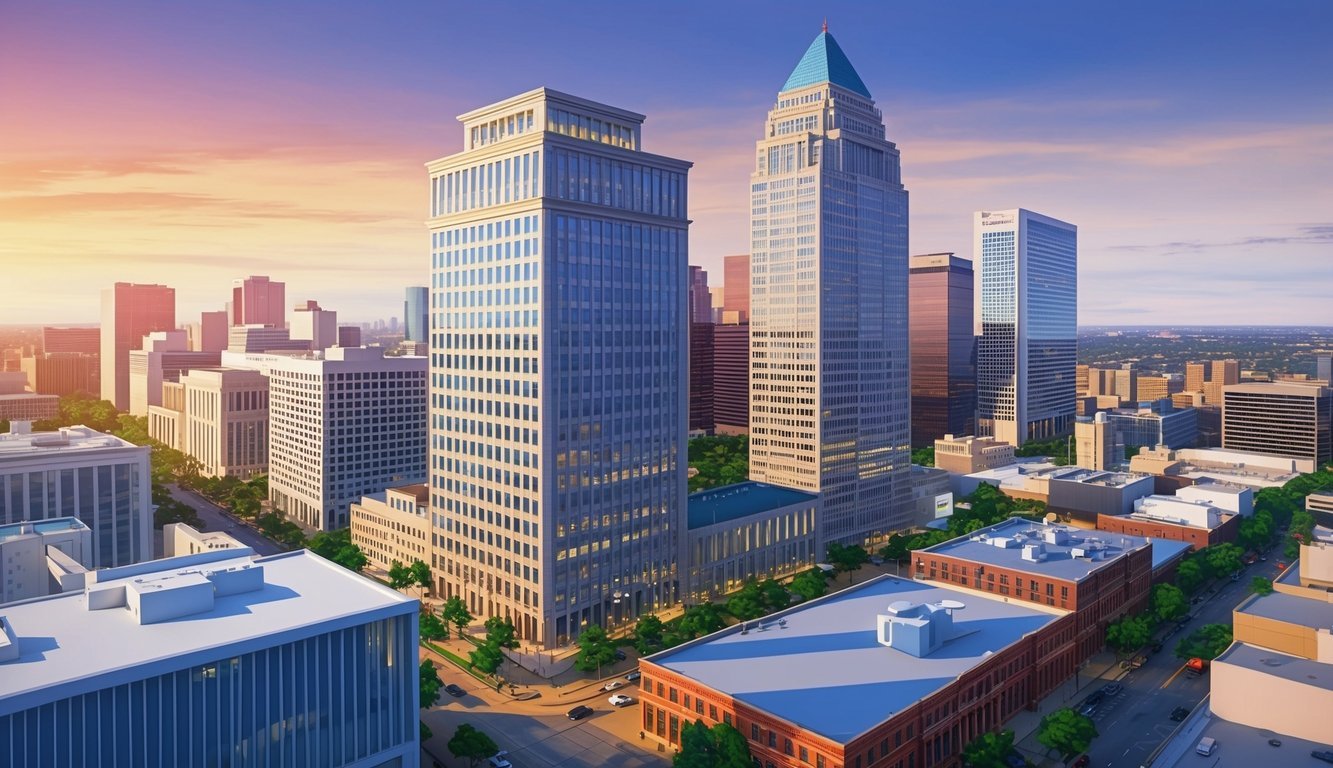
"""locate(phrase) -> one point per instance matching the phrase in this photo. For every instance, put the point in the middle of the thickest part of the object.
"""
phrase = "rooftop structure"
(1219, 465)
(183, 539)
(1170, 509)
(730, 502)
(968, 454)
(1071, 554)
(747, 531)
(24, 549)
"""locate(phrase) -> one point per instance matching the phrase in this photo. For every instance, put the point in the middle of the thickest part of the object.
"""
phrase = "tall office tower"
(343, 423)
(1283, 419)
(213, 331)
(1082, 378)
(944, 388)
(129, 312)
(1154, 388)
(1224, 372)
(349, 335)
(263, 338)
(256, 300)
(1127, 384)
(78, 472)
(1323, 369)
(165, 355)
(1027, 318)
(87, 341)
(736, 288)
(416, 314)
(718, 301)
(216, 658)
(317, 326)
(731, 378)
(699, 301)
(63, 373)
(560, 338)
(830, 392)
(702, 377)
(226, 421)
(1196, 374)
(1095, 443)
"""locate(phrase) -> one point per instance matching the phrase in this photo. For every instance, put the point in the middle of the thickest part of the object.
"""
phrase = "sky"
(193, 143)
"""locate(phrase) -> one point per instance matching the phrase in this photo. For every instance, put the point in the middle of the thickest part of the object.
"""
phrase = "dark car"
(1156, 646)
(454, 690)
(1112, 689)
(1081, 762)
(579, 712)
(634, 676)
(1325, 755)
(620, 655)
(1178, 714)
(1015, 760)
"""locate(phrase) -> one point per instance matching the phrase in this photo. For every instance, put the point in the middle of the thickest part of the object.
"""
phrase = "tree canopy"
(595, 649)
(471, 744)
(649, 634)
(1067, 732)
(1206, 642)
(455, 612)
(1129, 633)
(338, 547)
(502, 632)
(1168, 602)
(721, 746)
(810, 584)
(430, 626)
(430, 683)
(720, 460)
(989, 750)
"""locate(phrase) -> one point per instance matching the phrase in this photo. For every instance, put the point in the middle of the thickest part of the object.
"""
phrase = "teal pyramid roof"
(824, 62)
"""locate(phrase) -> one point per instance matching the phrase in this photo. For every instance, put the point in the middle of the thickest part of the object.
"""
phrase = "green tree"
(455, 612)
(924, 457)
(471, 744)
(399, 576)
(721, 746)
(810, 584)
(648, 634)
(1261, 586)
(699, 620)
(421, 576)
(774, 596)
(430, 626)
(896, 549)
(989, 750)
(244, 501)
(717, 461)
(1129, 634)
(424, 732)
(1223, 559)
(845, 558)
(747, 602)
(1168, 602)
(430, 683)
(1067, 732)
(338, 547)
(1300, 532)
(1206, 642)
(1190, 574)
(502, 632)
(282, 531)
(171, 511)
(487, 657)
(1256, 531)
(595, 649)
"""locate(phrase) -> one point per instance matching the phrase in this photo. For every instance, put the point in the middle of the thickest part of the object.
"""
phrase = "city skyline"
(301, 158)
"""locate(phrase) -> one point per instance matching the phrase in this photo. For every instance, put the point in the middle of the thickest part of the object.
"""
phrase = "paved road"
(217, 520)
(1135, 722)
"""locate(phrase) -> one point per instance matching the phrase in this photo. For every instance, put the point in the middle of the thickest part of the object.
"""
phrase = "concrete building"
(63, 373)
(164, 357)
(179, 539)
(1027, 306)
(968, 454)
(731, 379)
(736, 288)
(1320, 505)
(416, 314)
(944, 389)
(264, 338)
(393, 525)
(853, 678)
(1235, 499)
(221, 658)
(1324, 369)
(226, 423)
(1127, 385)
(256, 300)
(213, 335)
(349, 336)
(699, 299)
(702, 378)
(24, 550)
(830, 393)
(1154, 388)
(76, 341)
(166, 422)
(77, 472)
(1159, 424)
(342, 424)
(748, 531)
(1097, 444)
(1196, 374)
(533, 477)
(1285, 419)
(1189, 466)
(29, 406)
(129, 313)
(318, 327)
(1174, 518)
(1074, 492)
(932, 495)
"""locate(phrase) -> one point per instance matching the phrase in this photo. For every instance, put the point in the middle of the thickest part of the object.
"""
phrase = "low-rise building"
(184, 539)
(1159, 424)
(1320, 505)
(1228, 497)
(1189, 466)
(24, 550)
(166, 422)
(1170, 517)
(932, 494)
(968, 454)
(1073, 492)
(394, 525)
(746, 531)
(222, 658)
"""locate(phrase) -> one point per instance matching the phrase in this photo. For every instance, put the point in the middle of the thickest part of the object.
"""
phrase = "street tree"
(595, 649)
(1129, 634)
(487, 657)
(699, 620)
(1169, 602)
(1067, 732)
(1190, 574)
(421, 577)
(747, 602)
(648, 634)
(1224, 559)
(1261, 586)
(810, 584)
(502, 632)
(989, 750)
(455, 612)
(430, 683)
(471, 744)
(399, 576)
(721, 746)
(338, 547)
(774, 596)
(430, 626)
(847, 559)
(1206, 642)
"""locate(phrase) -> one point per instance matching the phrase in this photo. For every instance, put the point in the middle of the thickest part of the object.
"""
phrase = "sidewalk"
(1101, 669)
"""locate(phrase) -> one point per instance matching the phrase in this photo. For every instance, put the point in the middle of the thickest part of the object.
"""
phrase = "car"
(1325, 755)
(1015, 760)
(1111, 689)
(1156, 646)
(1081, 762)
(1178, 714)
(620, 655)
(614, 684)
(1263, 558)
(500, 760)
(620, 700)
(579, 712)
(1094, 698)
(454, 690)
(1088, 710)
(634, 676)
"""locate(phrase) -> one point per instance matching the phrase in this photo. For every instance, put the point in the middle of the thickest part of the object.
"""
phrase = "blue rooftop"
(824, 62)
(1165, 550)
(731, 502)
(1045, 548)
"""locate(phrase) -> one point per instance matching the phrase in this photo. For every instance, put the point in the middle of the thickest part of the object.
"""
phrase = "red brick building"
(1196, 537)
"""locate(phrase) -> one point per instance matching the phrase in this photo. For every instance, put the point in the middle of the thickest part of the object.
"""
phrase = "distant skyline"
(190, 145)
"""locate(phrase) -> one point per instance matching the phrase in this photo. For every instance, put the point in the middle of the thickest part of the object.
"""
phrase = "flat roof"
(66, 649)
(64, 440)
(1166, 550)
(28, 396)
(732, 502)
(825, 671)
(1296, 669)
(1061, 561)
(1238, 746)
(52, 525)
(1290, 609)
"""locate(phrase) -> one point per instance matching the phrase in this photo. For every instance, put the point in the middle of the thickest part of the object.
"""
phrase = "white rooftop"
(65, 440)
(204, 607)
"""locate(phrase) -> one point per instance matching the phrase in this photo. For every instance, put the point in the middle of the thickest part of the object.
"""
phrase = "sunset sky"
(191, 143)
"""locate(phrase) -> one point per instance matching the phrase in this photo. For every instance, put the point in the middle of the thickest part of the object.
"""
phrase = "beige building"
(226, 421)
(1095, 443)
(181, 539)
(1153, 388)
(63, 373)
(393, 525)
(166, 422)
(965, 455)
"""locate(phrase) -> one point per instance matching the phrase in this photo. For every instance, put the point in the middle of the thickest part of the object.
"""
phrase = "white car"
(614, 684)
(620, 700)
(500, 760)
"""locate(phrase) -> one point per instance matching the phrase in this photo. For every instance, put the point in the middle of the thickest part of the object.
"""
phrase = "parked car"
(500, 760)
(1325, 755)
(634, 676)
(454, 690)
(579, 712)
(1094, 698)
(614, 684)
(1015, 760)
(620, 700)
(1178, 714)
(1088, 710)
(620, 655)
(1112, 689)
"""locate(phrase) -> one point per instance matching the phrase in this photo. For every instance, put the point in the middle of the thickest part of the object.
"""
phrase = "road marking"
(1173, 676)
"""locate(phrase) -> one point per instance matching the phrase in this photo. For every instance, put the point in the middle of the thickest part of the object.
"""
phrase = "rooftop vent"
(917, 628)
(9, 644)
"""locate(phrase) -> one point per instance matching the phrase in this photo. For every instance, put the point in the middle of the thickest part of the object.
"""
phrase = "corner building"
(559, 341)
(829, 392)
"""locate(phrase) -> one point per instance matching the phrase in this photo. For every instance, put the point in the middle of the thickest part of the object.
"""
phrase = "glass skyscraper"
(416, 305)
(1026, 269)
(829, 392)
(558, 367)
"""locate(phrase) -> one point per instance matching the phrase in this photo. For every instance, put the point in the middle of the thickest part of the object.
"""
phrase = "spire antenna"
(826, 25)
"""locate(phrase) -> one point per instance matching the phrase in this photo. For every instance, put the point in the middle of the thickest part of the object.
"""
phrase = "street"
(1133, 723)
(216, 520)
